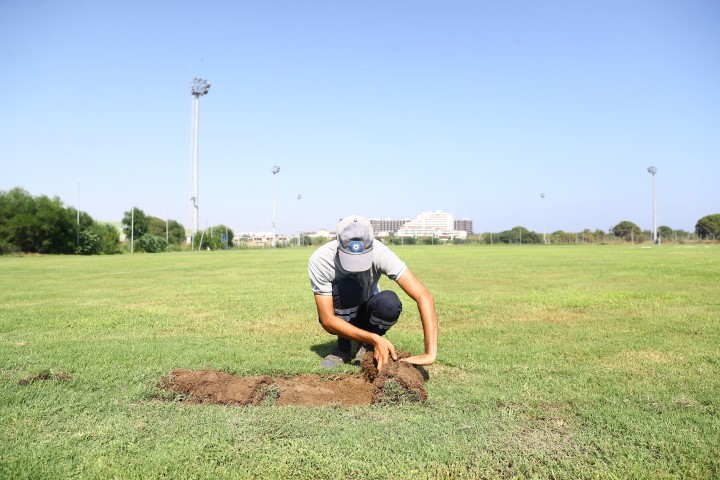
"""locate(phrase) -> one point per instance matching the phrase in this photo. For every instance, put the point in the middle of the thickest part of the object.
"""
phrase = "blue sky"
(381, 108)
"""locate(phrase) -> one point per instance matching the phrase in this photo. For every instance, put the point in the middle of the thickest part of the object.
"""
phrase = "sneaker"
(336, 358)
(364, 348)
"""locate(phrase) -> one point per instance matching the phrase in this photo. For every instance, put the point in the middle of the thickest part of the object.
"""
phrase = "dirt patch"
(48, 375)
(399, 382)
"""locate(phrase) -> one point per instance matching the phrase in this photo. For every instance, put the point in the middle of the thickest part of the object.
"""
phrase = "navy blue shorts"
(377, 315)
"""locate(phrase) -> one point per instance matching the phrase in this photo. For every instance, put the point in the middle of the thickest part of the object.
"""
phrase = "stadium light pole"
(132, 229)
(78, 219)
(542, 196)
(297, 220)
(653, 171)
(198, 88)
(275, 171)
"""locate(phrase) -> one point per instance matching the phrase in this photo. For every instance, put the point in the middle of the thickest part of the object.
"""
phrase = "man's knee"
(384, 309)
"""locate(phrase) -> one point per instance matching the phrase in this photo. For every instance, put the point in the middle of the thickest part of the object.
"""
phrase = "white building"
(436, 224)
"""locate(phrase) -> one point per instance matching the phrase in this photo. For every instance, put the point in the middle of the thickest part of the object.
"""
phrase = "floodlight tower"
(653, 171)
(275, 171)
(198, 88)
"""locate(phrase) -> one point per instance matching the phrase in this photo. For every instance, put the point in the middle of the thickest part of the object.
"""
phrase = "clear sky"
(382, 108)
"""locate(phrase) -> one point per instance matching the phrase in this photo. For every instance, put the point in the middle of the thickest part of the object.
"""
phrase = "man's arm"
(428, 316)
(383, 350)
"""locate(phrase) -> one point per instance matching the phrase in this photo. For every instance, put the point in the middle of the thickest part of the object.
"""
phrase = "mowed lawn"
(554, 362)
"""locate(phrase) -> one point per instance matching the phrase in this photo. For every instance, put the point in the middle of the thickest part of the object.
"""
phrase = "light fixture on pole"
(198, 88)
(656, 240)
(275, 171)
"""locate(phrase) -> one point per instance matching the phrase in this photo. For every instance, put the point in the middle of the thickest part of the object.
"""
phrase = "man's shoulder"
(382, 250)
(380, 246)
(325, 251)
(388, 262)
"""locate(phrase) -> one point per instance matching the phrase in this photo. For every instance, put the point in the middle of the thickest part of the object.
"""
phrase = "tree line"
(707, 228)
(44, 225)
(152, 234)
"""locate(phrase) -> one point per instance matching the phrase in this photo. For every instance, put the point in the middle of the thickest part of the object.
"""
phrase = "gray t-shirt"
(324, 269)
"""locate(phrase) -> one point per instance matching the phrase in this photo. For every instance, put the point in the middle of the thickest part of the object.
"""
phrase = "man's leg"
(378, 315)
(346, 302)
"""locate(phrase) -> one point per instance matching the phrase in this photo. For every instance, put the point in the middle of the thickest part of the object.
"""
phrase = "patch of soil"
(62, 376)
(399, 382)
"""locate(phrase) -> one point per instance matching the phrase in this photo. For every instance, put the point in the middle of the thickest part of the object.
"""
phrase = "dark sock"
(344, 344)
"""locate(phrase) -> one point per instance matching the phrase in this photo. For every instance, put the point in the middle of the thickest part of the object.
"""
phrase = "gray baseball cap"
(355, 243)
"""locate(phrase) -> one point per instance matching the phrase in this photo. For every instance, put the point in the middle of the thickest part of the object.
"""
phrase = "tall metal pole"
(198, 88)
(542, 195)
(297, 220)
(653, 171)
(132, 230)
(78, 218)
(275, 170)
(194, 217)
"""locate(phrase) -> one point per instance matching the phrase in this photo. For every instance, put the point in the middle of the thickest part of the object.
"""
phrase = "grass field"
(554, 362)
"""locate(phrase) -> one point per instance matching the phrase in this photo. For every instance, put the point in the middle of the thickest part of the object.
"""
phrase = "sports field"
(554, 362)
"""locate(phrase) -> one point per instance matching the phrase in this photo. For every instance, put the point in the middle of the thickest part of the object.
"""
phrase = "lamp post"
(542, 196)
(297, 226)
(656, 240)
(275, 171)
(198, 88)
(78, 219)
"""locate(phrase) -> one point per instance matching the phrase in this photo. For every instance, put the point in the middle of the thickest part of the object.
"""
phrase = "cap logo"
(355, 246)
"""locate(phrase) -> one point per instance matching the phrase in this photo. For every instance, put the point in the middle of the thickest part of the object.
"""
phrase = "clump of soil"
(398, 382)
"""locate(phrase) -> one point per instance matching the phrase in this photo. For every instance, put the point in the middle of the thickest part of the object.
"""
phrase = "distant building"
(258, 239)
(384, 228)
(322, 233)
(436, 224)
(465, 225)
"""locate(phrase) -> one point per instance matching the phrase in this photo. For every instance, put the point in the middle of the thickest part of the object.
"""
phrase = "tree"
(44, 225)
(627, 230)
(158, 227)
(599, 235)
(665, 232)
(136, 223)
(215, 238)
(39, 224)
(150, 244)
(109, 238)
(561, 236)
(176, 232)
(59, 227)
(708, 226)
(518, 235)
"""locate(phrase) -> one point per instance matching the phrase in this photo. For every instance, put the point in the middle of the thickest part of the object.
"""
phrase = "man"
(344, 275)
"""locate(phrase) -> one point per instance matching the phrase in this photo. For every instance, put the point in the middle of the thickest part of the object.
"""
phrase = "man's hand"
(383, 351)
(424, 359)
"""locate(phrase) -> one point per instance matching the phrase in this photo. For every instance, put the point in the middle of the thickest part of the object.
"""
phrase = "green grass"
(555, 362)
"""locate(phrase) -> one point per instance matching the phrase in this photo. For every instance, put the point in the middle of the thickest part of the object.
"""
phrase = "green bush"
(150, 244)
